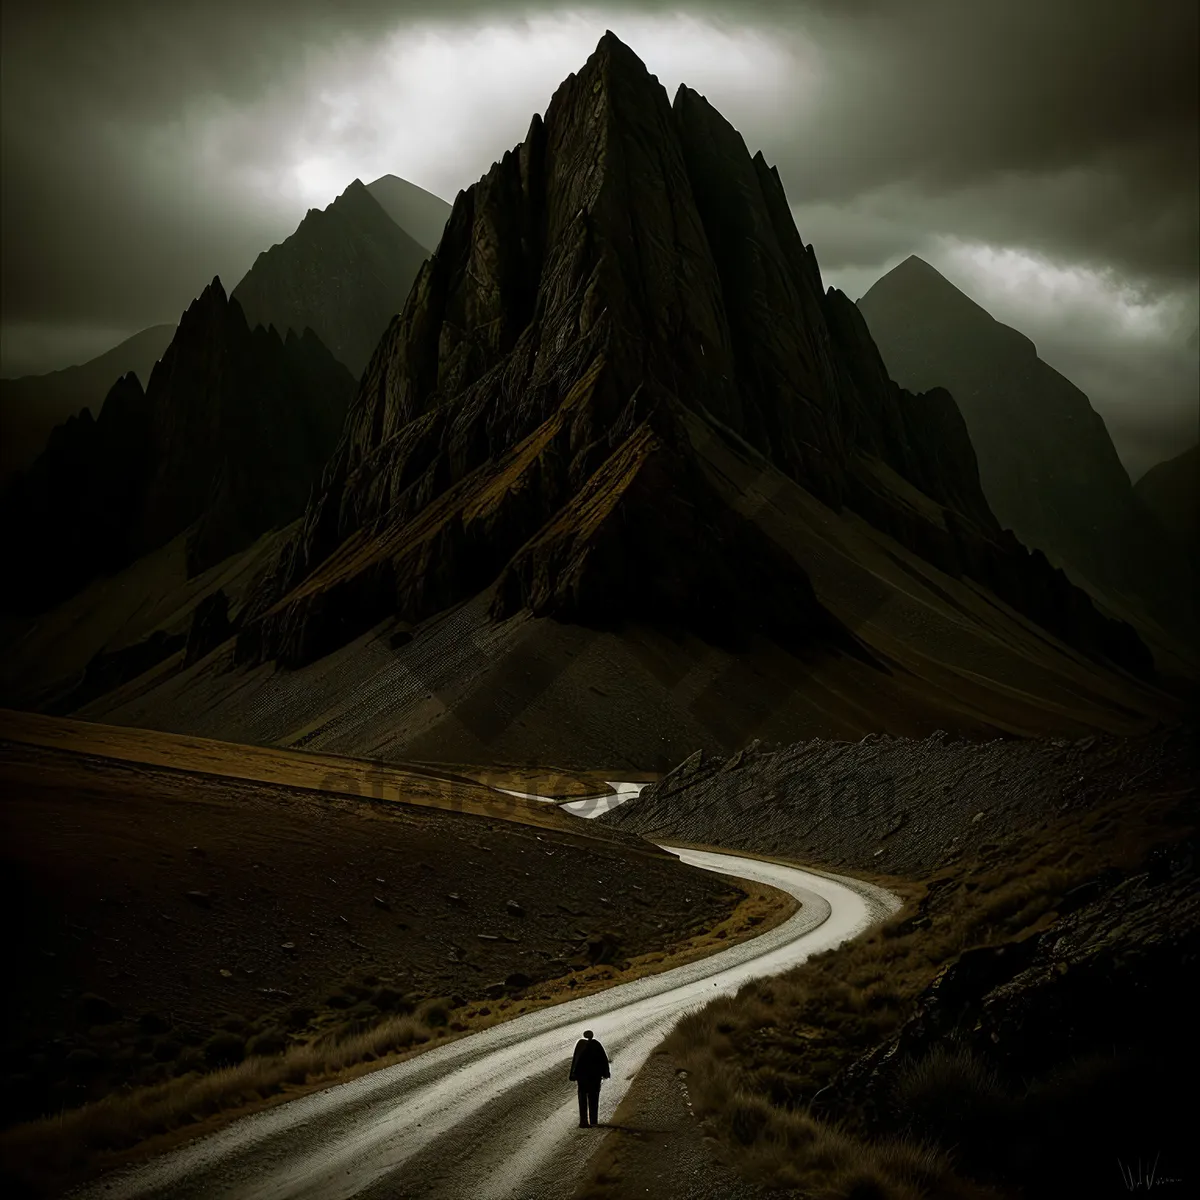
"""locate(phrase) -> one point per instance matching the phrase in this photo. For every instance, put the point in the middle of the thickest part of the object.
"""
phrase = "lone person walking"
(588, 1067)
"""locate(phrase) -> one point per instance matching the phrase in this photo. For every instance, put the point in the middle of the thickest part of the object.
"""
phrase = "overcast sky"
(1041, 153)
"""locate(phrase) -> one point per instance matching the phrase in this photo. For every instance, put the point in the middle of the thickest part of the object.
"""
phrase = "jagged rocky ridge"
(226, 441)
(32, 406)
(619, 291)
(344, 273)
(73, 514)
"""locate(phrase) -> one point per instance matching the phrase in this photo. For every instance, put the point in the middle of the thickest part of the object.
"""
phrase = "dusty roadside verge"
(656, 1145)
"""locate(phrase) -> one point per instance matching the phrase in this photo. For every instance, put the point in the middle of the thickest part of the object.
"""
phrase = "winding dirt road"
(492, 1115)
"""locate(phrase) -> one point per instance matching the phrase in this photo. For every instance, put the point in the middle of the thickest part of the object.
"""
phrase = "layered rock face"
(623, 290)
(344, 274)
(1046, 462)
(227, 440)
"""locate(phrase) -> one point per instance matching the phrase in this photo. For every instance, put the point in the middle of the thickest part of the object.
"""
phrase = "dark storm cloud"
(1066, 128)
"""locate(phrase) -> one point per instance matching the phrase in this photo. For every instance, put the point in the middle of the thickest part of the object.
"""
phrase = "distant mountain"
(244, 422)
(226, 441)
(418, 212)
(344, 273)
(1171, 491)
(74, 514)
(32, 405)
(1047, 464)
(623, 480)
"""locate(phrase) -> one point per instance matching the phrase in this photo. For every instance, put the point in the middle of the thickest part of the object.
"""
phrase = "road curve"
(492, 1115)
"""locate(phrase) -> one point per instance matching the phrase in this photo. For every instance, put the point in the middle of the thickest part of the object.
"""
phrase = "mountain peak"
(356, 192)
(916, 265)
(420, 213)
(1046, 462)
(609, 43)
(344, 272)
(916, 280)
(212, 303)
(213, 309)
(614, 61)
(914, 271)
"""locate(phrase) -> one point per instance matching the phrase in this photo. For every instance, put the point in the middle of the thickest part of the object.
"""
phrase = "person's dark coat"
(589, 1063)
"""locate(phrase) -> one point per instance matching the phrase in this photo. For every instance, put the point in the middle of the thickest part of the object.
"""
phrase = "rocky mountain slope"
(224, 442)
(419, 213)
(1046, 462)
(344, 273)
(30, 407)
(619, 397)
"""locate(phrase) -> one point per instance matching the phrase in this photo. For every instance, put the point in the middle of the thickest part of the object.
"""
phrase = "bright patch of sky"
(1011, 284)
(429, 98)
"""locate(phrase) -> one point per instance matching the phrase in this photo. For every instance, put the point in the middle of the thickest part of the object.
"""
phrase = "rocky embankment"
(1041, 1043)
(898, 806)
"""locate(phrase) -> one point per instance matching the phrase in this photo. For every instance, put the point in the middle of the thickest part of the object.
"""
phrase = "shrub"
(81, 1061)
(948, 1094)
(300, 1016)
(748, 1118)
(168, 1049)
(270, 1041)
(224, 1049)
(388, 999)
(435, 1013)
(96, 1010)
(192, 1059)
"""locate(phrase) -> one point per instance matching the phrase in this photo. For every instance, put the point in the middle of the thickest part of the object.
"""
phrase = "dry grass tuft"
(42, 1153)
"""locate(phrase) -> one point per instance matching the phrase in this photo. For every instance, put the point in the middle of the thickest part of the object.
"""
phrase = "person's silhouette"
(588, 1066)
